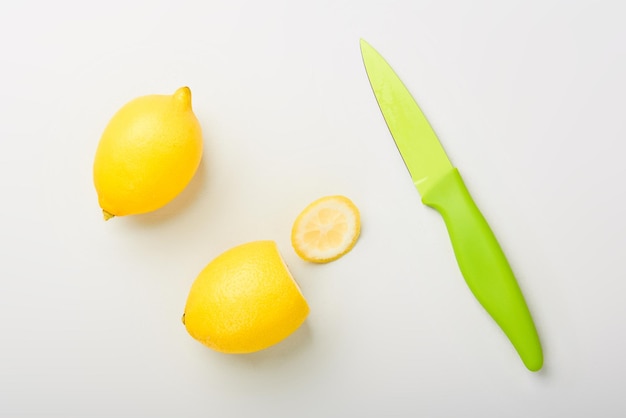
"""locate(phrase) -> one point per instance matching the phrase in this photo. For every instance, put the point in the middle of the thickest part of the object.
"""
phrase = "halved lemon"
(245, 300)
(326, 229)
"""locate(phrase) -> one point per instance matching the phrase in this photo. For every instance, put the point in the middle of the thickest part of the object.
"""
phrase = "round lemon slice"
(326, 229)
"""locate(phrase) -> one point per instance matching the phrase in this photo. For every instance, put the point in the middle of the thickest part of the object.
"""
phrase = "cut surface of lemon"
(326, 229)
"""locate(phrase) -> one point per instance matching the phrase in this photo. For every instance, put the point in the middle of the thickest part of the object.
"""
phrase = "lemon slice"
(326, 229)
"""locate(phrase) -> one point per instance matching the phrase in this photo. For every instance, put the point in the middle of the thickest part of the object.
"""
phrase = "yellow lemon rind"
(245, 300)
(148, 153)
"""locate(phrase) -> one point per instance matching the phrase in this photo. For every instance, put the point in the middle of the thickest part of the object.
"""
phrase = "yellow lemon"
(148, 153)
(326, 229)
(245, 300)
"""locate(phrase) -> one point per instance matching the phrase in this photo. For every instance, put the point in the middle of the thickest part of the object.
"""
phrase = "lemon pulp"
(326, 229)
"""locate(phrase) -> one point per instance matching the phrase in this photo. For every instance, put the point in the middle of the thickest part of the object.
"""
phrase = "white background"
(526, 96)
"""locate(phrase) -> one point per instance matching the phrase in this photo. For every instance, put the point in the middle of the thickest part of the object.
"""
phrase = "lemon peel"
(148, 153)
(244, 300)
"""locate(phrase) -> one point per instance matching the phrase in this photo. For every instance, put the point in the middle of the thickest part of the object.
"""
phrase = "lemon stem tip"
(183, 97)
(107, 215)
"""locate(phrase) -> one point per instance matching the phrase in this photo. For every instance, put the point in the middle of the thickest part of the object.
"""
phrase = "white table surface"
(526, 96)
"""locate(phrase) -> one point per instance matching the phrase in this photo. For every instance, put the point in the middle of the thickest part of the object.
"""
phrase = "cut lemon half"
(245, 300)
(326, 229)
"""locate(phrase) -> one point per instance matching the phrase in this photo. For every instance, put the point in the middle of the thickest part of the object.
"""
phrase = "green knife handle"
(484, 265)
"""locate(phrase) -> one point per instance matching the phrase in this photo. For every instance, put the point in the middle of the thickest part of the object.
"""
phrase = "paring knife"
(479, 256)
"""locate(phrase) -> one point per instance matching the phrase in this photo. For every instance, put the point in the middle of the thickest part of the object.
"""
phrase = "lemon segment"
(326, 229)
(147, 154)
(245, 300)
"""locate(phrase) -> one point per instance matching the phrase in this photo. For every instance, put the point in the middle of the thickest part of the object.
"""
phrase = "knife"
(478, 254)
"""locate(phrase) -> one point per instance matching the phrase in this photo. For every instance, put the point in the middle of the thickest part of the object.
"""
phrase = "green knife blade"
(478, 253)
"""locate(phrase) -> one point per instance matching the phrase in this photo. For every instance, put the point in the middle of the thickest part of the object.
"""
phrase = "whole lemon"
(245, 300)
(148, 153)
